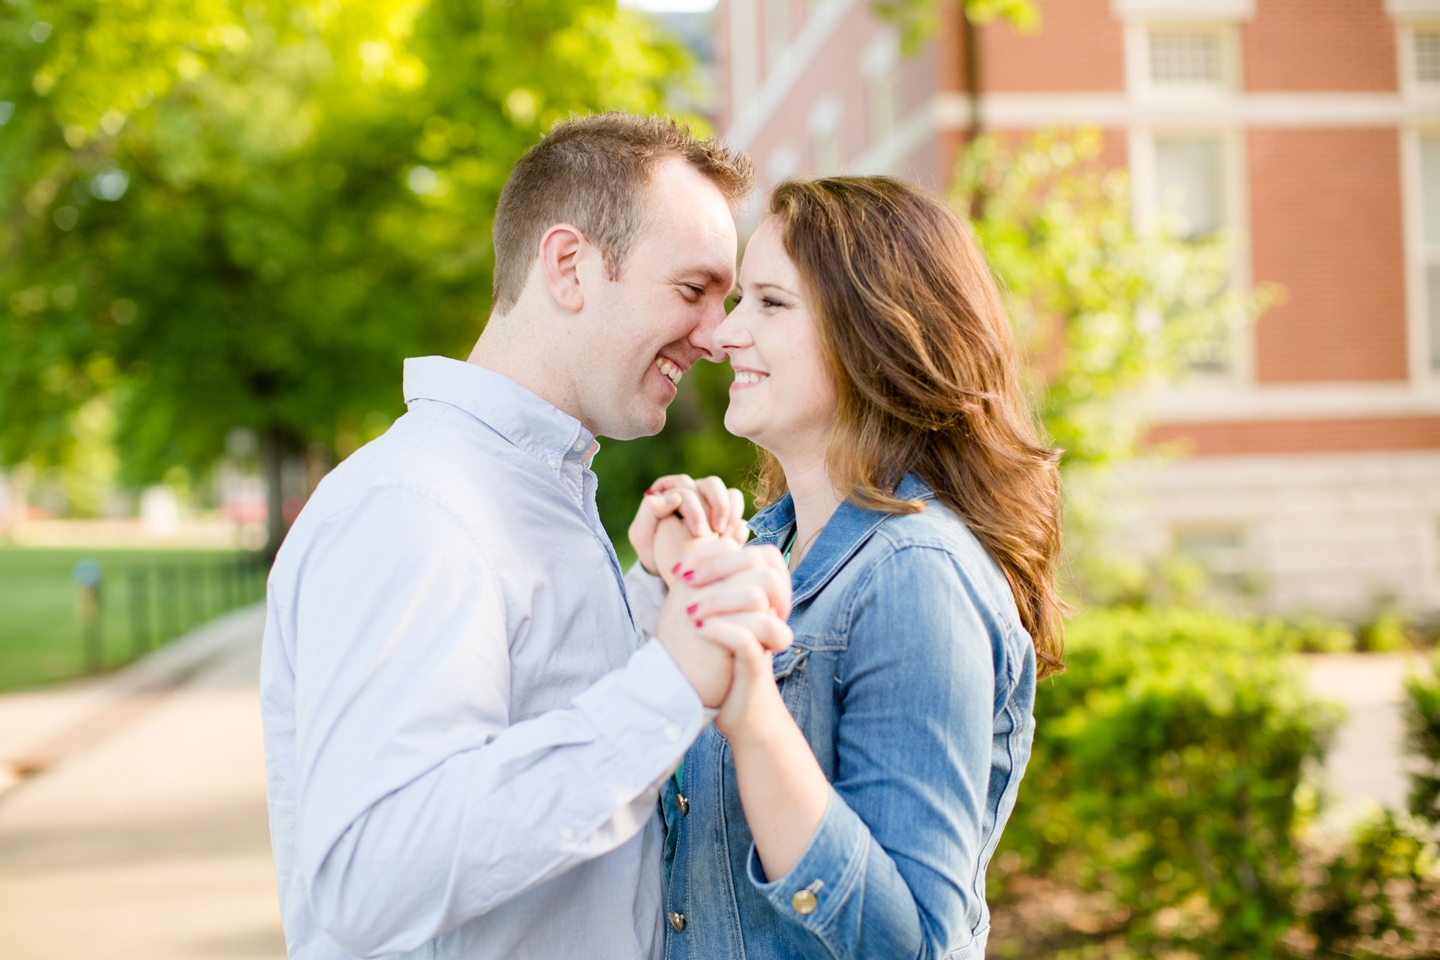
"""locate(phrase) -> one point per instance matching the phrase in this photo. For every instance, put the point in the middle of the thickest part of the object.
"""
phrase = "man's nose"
(705, 338)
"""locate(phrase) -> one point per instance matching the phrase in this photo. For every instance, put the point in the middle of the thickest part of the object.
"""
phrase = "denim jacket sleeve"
(894, 864)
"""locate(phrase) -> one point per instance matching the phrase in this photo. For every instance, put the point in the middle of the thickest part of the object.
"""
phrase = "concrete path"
(1367, 764)
(151, 842)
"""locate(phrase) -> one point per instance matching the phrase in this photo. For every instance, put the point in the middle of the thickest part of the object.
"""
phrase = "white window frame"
(1235, 218)
(1137, 62)
(1418, 254)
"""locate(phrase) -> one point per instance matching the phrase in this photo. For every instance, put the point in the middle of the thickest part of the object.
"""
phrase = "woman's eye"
(771, 303)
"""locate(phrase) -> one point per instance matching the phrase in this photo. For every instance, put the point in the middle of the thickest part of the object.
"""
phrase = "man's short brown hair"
(593, 173)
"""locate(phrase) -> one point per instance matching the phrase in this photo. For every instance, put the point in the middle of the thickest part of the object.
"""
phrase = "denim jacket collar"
(846, 532)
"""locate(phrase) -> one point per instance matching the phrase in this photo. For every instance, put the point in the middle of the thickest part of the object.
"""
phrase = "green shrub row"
(1169, 785)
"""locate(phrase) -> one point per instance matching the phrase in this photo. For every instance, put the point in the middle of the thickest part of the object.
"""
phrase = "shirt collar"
(528, 421)
(845, 533)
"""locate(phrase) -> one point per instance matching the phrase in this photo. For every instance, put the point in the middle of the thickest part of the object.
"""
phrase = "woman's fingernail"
(688, 574)
(675, 569)
(692, 608)
(699, 624)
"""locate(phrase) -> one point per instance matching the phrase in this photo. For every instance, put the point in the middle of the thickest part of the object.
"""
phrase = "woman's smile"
(745, 378)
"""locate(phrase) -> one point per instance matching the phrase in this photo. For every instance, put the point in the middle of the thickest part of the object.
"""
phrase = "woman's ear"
(560, 250)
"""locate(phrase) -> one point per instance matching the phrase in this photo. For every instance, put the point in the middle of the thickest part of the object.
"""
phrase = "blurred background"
(224, 224)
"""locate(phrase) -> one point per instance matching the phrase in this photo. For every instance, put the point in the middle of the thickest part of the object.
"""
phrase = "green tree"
(230, 214)
(1104, 309)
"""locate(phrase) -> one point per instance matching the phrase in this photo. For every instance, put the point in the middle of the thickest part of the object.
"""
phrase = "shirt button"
(579, 445)
(804, 902)
(677, 920)
(567, 834)
(683, 802)
(554, 462)
(672, 732)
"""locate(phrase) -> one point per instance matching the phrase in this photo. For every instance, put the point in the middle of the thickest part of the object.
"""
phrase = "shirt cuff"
(822, 879)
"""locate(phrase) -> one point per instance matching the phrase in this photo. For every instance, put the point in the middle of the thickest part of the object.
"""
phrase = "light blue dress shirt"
(465, 731)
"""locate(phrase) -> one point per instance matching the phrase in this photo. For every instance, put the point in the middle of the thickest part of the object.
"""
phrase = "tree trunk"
(272, 454)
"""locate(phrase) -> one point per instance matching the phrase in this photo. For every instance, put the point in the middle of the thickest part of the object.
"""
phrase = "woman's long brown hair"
(925, 368)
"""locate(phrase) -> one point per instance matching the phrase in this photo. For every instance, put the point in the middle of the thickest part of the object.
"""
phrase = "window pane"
(1185, 57)
(1427, 56)
(1430, 186)
(1190, 181)
(1432, 310)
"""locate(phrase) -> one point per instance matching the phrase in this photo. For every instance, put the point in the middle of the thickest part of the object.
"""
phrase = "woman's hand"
(672, 540)
(705, 506)
(753, 708)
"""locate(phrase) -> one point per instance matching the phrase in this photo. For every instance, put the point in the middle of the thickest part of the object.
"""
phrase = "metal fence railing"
(161, 599)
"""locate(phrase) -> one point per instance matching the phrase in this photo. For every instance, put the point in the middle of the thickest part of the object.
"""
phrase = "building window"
(784, 162)
(1187, 58)
(777, 30)
(1222, 552)
(879, 66)
(1427, 56)
(1190, 184)
(825, 142)
(1430, 199)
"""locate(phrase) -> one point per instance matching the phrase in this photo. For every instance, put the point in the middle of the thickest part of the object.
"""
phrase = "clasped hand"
(725, 615)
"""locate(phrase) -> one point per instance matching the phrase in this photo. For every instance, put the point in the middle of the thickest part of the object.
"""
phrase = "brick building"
(1308, 128)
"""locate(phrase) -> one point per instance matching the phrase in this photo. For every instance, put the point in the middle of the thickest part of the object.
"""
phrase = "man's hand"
(706, 506)
(742, 582)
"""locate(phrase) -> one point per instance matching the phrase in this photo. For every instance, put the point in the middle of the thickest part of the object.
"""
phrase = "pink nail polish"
(699, 624)
(692, 608)
(675, 569)
(689, 574)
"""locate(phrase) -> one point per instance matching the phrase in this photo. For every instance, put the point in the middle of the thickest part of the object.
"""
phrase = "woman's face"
(783, 397)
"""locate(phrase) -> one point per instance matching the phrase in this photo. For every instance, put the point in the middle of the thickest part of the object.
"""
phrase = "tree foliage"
(232, 214)
(1104, 309)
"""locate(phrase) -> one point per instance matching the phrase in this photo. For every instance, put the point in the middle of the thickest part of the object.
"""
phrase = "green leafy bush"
(1164, 779)
(1370, 895)
(1422, 722)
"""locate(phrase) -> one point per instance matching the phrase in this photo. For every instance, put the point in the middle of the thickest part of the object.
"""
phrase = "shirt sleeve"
(647, 594)
(420, 804)
(893, 865)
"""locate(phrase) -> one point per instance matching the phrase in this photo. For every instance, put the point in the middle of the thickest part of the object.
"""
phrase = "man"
(465, 733)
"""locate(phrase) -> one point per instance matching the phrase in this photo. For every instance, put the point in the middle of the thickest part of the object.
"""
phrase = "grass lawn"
(147, 598)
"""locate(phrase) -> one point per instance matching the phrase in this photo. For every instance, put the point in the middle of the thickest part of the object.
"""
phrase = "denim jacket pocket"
(790, 677)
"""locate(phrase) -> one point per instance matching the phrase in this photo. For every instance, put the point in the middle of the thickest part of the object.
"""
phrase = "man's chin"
(641, 424)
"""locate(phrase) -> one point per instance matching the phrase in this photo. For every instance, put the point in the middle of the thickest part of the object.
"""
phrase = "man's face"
(650, 325)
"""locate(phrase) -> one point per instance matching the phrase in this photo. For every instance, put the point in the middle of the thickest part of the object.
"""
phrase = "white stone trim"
(1413, 9)
(1281, 110)
(752, 114)
(1202, 401)
(1167, 10)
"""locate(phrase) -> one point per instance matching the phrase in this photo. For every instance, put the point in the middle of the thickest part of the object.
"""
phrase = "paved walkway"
(149, 843)
(1366, 764)
(134, 824)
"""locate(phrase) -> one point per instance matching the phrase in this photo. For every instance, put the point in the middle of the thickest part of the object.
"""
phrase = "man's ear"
(560, 250)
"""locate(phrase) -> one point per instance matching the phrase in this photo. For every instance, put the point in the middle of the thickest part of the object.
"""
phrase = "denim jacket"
(913, 681)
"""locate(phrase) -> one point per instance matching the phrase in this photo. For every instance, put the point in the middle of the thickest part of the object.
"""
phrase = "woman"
(848, 798)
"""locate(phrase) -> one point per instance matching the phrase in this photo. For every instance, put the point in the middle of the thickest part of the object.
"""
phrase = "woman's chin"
(736, 424)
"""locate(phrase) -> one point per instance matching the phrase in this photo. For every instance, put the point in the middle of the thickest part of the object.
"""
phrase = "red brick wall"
(1320, 45)
(1303, 436)
(1079, 46)
(1326, 223)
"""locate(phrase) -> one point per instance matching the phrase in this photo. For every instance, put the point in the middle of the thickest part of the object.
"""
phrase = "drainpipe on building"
(970, 51)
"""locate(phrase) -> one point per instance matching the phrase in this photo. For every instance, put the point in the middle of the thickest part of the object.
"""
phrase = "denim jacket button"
(683, 802)
(677, 920)
(804, 902)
